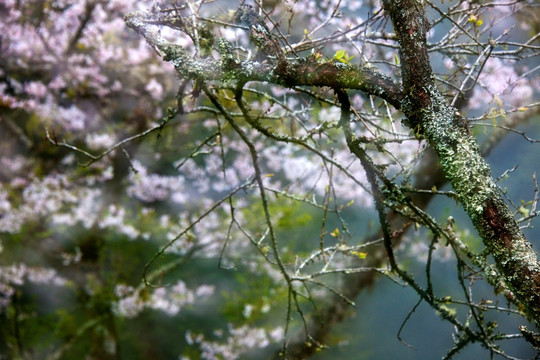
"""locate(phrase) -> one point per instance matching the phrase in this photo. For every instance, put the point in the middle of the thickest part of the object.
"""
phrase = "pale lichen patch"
(459, 156)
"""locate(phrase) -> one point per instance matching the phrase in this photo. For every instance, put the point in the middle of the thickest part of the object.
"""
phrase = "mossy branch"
(461, 160)
(278, 70)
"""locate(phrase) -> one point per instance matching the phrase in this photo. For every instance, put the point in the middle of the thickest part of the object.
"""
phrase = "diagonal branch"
(429, 114)
(461, 160)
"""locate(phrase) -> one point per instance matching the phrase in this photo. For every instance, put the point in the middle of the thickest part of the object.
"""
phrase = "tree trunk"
(459, 156)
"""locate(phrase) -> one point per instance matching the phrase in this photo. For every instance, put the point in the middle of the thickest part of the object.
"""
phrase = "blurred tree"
(279, 136)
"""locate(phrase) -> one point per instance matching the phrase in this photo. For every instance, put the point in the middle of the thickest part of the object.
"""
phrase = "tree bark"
(460, 158)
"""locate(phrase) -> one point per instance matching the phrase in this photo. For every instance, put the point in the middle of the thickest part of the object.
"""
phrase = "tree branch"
(297, 72)
(461, 160)
(428, 113)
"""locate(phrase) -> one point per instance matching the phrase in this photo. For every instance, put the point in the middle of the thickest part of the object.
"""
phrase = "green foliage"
(523, 208)
(343, 57)
(292, 216)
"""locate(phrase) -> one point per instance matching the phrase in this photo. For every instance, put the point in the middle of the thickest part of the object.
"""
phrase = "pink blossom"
(100, 141)
(500, 80)
(155, 89)
(36, 89)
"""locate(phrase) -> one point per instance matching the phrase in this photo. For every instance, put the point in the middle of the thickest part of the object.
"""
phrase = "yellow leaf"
(492, 115)
(339, 54)
(450, 311)
(361, 255)
(525, 212)
(498, 101)
(335, 233)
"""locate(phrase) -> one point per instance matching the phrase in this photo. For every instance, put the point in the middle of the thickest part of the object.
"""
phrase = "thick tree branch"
(299, 72)
(461, 160)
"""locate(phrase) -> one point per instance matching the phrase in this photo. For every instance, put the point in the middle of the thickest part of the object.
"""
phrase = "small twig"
(98, 157)
(409, 315)
(218, 203)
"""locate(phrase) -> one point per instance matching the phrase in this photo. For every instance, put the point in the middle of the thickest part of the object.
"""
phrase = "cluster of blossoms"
(40, 198)
(238, 342)
(500, 83)
(13, 276)
(167, 299)
(68, 56)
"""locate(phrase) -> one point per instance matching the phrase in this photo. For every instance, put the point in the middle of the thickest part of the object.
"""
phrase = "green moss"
(225, 49)
(459, 156)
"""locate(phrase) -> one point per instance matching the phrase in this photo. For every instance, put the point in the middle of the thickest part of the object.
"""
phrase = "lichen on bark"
(459, 156)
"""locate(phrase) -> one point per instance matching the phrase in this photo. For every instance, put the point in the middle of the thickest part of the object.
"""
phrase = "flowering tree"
(283, 117)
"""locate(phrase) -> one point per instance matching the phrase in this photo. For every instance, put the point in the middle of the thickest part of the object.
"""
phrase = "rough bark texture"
(460, 158)
(305, 72)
